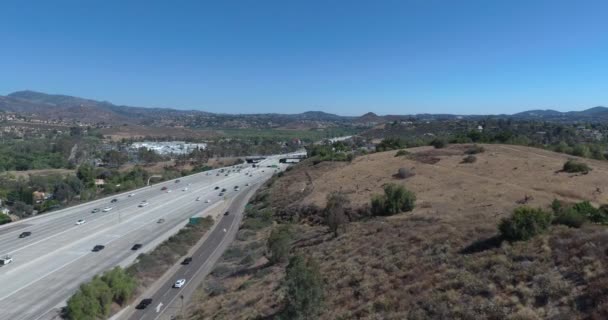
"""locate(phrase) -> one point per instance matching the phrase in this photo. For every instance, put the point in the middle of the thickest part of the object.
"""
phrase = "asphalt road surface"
(51, 263)
(214, 245)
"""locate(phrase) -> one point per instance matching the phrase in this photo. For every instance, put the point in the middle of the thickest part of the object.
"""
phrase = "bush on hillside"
(401, 153)
(524, 224)
(405, 173)
(395, 199)
(335, 212)
(438, 143)
(304, 294)
(570, 217)
(475, 149)
(469, 159)
(573, 166)
(390, 144)
(279, 243)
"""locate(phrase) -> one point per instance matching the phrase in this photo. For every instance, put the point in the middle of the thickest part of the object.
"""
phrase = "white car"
(198, 199)
(6, 260)
(106, 209)
(179, 283)
(185, 189)
(79, 222)
(143, 204)
(168, 190)
(207, 201)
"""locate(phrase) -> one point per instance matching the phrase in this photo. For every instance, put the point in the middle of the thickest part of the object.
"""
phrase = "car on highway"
(163, 188)
(223, 189)
(136, 246)
(143, 204)
(107, 209)
(131, 194)
(114, 200)
(217, 175)
(179, 283)
(160, 220)
(98, 248)
(95, 210)
(226, 213)
(6, 260)
(187, 260)
(207, 201)
(221, 194)
(169, 191)
(185, 189)
(198, 198)
(144, 303)
(216, 188)
(177, 181)
(79, 222)
(25, 234)
(246, 184)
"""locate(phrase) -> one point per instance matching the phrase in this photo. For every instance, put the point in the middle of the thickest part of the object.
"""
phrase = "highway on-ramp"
(49, 265)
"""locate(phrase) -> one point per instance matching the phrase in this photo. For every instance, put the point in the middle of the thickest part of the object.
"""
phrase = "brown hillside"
(442, 261)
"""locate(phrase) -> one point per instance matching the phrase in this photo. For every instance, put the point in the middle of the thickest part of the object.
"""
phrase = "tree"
(335, 212)
(304, 296)
(115, 158)
(396, 199)
(86, 174)
(279, 243)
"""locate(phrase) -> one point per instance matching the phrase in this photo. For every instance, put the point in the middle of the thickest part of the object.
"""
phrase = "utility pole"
(182, 312)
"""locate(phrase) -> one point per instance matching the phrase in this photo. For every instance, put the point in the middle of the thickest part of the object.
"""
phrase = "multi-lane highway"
(50, 264)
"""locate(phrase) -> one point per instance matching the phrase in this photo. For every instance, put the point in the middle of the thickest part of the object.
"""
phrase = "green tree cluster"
(93, 299)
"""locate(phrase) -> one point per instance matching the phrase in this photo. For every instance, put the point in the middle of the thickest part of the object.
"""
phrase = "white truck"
(6, 260)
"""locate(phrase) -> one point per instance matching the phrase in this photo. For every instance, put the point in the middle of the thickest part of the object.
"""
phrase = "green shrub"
(524, 224)
(4, 218)
(396, 199)
(279, 243)
(304, 294)
(438, 143)
(475, 149)
(573, 166)
(401, 153)
(469, 159)
(570, 218)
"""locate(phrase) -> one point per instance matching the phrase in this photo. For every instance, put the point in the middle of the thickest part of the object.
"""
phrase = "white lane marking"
(47, 274)
(201, 267)
(40, 278)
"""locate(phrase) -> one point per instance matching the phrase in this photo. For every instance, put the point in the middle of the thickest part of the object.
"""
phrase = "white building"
(170, 147)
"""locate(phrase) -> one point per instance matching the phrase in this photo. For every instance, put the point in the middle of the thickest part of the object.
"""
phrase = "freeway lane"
(214, 245)
(50, 264)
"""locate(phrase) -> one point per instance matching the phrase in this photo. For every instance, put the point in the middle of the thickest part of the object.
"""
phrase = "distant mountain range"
(38, 105)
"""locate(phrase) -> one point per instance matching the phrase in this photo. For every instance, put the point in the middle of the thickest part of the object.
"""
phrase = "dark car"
(163, 188)
(226, 213)
(144, 303)
(217, 188)
(114, 200)
(224, 190)
(25, 234)
(98, 248)
(221, 194)
(177, 181)
(187, 261)
(136, 246)
(95, 210)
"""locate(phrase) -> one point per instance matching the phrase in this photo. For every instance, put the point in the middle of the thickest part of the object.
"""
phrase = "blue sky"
(345, 57)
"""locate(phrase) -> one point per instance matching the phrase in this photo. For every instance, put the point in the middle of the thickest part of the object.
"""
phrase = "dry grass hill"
(440, 261)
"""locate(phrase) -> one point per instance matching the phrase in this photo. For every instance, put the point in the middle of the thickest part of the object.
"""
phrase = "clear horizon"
(387, 57)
